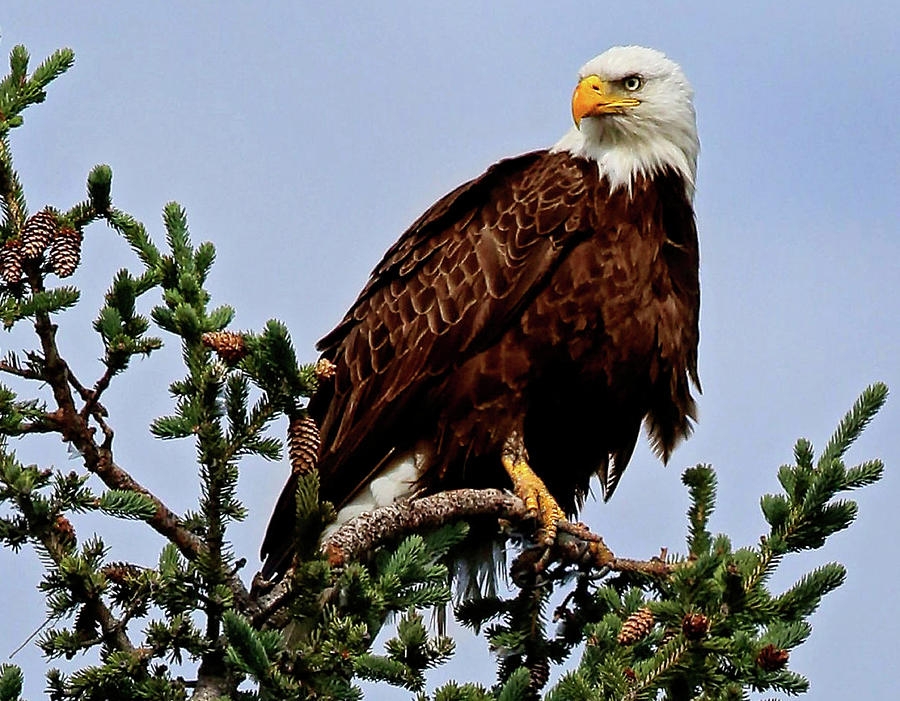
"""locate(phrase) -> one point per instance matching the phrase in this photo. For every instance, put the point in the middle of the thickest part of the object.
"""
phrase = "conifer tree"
(699, 625)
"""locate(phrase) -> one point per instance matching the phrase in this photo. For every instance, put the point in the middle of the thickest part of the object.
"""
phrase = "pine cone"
(694, 625)
(65, 251)
(11, 262)
(120, 572)
(325, 369)
(228, 345)
(64, 531)
(539, 670)
(303, 444)
(771, 658)
(39, 230)
(636, 626)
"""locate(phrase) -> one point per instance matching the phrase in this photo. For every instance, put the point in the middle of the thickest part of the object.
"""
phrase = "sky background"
(303, 139)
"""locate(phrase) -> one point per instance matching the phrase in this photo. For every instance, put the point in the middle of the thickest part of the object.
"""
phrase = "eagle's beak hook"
(595, 97)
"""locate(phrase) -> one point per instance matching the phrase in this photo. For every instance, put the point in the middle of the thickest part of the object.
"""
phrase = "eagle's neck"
(621, 157)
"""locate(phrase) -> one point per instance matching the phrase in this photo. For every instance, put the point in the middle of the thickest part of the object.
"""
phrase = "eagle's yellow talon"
(539, 503)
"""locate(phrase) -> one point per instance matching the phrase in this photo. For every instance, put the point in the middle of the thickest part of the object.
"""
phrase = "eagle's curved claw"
(539, 503)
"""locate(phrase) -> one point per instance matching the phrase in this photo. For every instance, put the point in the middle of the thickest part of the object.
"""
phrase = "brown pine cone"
(39, 230)
(694, 625)
(120, 572)
(228, 345)
(771, 658)
(64, 530)
(11, 262)
(636, 626)
(539, 669)
(303, 444)
(65, 251)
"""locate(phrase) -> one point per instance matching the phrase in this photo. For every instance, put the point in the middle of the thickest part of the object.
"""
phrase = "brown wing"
(672, 408)
(446, 290)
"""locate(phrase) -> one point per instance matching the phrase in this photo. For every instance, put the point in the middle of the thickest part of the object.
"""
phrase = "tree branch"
(92, 396)
(98, 459)
(369, 530)
(83, 391)
(113, 629)
(360, 536)
(18, 371)
(575, 544)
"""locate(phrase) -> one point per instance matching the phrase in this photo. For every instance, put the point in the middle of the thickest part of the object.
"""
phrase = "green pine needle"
(864, 474)
(701, 482)
(127, 504)
(99, 183)
(803, 598)
(169, 427)
(177, 235)
(776, 509)
(11, 681)
(136, 236)
(52, 67)
(441, 541)
(45, 302)
(18, 66)
(853, 423)
(204, 257)
(246, 650)
(517, 686)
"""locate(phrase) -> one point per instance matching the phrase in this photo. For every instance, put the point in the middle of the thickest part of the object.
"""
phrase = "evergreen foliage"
(707, 627)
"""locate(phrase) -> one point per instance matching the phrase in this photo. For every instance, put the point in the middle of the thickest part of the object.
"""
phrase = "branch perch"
(369, 530)
(575, 543)
(352, 541)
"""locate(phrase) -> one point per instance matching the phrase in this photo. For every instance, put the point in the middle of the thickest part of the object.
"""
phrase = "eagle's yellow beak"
(594, 97)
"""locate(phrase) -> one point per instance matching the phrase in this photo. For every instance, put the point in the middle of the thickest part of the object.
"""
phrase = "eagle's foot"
(539, 503)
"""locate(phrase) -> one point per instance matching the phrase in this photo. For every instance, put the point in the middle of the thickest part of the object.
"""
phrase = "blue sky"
(302, 140)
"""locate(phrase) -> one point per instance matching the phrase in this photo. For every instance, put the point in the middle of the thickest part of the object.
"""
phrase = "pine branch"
(26, 373)
(702, 484)
(99, 459)
(91, 397)
(855, 421)
(15, 210)
(57, 544)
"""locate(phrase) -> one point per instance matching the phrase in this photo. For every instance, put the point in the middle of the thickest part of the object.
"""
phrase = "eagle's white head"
(634, 115)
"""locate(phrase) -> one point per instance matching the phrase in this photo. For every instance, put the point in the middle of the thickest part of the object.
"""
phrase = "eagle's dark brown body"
(528, 300)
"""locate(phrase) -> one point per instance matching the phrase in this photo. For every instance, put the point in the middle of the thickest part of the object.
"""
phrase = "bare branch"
(34, 427)
(83, 391)
(92, 397)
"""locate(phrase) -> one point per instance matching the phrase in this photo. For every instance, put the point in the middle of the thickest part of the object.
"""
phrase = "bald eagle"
(525, 326)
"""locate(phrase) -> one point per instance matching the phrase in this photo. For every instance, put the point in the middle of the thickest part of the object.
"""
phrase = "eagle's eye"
(632, 83)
